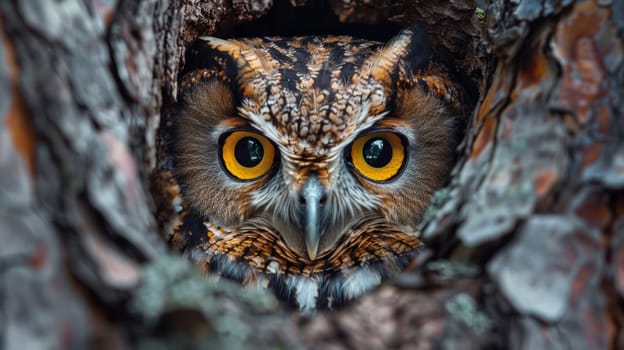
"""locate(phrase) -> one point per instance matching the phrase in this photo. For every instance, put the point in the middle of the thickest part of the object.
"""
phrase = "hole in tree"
(314, 18)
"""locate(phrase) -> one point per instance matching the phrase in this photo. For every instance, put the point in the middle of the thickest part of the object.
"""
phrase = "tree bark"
(525, 246)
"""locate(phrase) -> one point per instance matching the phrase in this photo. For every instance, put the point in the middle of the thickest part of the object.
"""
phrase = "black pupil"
(377, 152)
(249, 152)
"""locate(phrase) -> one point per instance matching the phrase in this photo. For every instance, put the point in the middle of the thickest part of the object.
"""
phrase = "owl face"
(306, 163)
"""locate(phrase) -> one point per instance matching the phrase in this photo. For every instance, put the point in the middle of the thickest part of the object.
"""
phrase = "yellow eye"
(247, 155)
(378, 156)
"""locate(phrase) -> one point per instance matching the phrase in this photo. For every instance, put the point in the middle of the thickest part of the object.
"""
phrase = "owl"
(305, 163)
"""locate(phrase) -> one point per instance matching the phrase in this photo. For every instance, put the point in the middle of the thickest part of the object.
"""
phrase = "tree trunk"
(525, 246)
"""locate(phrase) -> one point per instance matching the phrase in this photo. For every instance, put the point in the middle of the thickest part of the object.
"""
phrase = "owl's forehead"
(312, 92)
(305, 54)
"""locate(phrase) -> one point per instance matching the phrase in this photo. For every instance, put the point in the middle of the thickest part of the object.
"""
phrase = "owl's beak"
(311, 195)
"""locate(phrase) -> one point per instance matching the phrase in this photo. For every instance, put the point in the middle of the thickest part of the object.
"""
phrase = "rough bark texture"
(525, 245)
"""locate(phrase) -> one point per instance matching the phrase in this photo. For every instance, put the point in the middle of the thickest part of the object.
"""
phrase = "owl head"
(306, 163)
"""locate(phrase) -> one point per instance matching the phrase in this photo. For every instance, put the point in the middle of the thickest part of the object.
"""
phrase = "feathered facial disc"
(307, 162)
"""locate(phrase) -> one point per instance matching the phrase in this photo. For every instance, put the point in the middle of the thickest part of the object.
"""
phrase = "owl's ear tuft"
(245, 58)
(414, 45)
(410, 47)
(241, 61)
(203, 54)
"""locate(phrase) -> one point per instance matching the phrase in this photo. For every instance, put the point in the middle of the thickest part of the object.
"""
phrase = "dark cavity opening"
(314, 18)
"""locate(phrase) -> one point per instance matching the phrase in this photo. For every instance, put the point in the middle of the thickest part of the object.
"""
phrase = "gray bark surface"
(525, 245)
